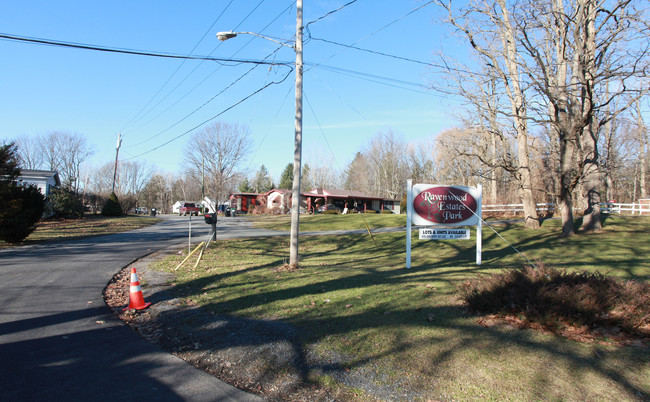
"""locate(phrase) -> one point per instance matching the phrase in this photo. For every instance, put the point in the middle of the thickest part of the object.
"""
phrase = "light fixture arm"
(297, 154)
(223, 36)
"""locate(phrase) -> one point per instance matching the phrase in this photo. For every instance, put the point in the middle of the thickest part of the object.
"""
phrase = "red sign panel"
(444, 205)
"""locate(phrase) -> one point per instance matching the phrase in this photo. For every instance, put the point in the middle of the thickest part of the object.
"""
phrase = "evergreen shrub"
(112, 207)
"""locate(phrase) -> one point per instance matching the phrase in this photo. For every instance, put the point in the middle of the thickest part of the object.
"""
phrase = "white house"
(278, 200)
(45, 180)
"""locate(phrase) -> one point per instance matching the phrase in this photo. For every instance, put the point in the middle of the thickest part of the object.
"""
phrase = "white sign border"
(478, 215)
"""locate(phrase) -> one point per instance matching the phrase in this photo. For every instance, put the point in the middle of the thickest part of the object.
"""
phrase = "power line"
(330, 13)
(199, 84)
(380, 29)
(205, 103)
(375, 78)
(375, 52)
(277, 113)
(215, 116)
(322, 132)
(137, 116)
(84, 46)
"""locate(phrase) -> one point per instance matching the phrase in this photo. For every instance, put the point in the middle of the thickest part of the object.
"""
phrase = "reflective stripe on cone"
(136, 299)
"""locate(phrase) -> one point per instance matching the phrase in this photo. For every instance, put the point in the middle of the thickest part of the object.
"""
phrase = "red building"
(243, 202)
(316, 200)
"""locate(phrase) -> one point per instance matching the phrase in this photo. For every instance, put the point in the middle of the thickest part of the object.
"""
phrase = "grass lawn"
(89, 225)
(408, 328)
(323, 222)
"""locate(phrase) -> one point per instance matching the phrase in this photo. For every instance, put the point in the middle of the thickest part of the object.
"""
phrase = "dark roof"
(341, 194)
(246, 194)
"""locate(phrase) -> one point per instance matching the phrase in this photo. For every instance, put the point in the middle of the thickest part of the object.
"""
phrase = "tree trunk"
(567, 172)
(589, 137)
(643, 141)
(516, 96)
(566, 212)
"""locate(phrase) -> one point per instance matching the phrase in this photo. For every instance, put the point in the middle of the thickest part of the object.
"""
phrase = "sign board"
(445, 205)
(433, 204)
(444, 234)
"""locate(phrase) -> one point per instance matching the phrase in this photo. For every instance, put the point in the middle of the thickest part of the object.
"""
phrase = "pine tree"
(245, 186)
(286, 179)
(21, 207)
(262, 182)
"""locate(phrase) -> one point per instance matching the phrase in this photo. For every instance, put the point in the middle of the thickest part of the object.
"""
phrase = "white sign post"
(437, 205)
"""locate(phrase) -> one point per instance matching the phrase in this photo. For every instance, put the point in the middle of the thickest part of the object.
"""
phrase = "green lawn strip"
(325, 222)
(408, 327)
(91, 225)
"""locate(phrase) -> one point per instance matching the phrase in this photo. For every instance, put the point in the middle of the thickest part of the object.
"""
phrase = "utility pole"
(117, 153)
(297, 150)
(203, 181)
(297, 153)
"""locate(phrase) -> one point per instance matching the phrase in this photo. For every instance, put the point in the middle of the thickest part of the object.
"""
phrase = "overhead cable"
(382, 28)
(199, 64)
(215, 116)
(137, 116)
(50, 42)
(330, 13)
(205, 103)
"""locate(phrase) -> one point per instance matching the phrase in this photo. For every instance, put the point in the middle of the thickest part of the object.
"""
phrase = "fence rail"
(641, 207)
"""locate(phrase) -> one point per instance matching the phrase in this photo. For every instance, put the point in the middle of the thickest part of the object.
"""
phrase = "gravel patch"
(264, 357)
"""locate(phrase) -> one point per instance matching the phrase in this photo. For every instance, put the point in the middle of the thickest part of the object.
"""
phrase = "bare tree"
(158, 193)
(134, 175)
(642, 135)
(358, 174)
(562, 65)
(217, 149)
(490, 30)
(57, 150)
(458, 156)
(65, 152)
(323, 172)
(422, 166)
(186, 189)
(577, 52)
(30, 152)
(389, 168)
(131, 178)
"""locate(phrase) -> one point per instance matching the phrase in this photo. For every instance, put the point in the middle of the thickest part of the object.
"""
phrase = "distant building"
(278, 201)
(244, 202)
(346, 201)
(45, 180)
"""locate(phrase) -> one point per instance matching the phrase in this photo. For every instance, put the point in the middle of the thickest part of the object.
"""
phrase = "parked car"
(189, 208)
(329, 207)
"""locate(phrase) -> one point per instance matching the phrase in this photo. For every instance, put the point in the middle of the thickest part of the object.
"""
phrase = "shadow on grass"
(360, 269)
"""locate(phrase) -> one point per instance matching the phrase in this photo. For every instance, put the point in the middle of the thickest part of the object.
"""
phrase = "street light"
(223, 36)
(297, 150)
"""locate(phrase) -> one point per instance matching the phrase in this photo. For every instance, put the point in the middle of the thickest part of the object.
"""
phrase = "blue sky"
(350, 95)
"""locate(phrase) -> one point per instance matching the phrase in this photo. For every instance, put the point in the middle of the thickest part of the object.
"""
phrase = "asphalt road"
(58, 339)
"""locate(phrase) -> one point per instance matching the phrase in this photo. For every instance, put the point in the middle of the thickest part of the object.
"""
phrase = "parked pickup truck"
(189, 208)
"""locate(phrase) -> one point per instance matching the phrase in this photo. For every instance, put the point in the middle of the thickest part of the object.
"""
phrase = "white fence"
(640, 207)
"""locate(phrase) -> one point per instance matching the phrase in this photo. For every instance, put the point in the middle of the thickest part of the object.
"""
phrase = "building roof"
(341, 194)
(278, 190)
(246, 194)
(29, 174)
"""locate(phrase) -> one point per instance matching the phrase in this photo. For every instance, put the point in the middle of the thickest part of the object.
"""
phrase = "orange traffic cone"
(136, 300)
